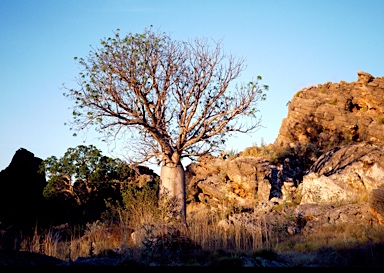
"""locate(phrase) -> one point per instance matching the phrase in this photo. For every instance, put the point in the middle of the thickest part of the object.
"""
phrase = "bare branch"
(176, 99)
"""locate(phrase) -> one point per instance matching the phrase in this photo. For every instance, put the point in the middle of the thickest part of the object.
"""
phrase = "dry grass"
(46, 243)
(100, 238)
(206, 235)
(206, 231)
(97, 239)
(262, 151)
(338, 236)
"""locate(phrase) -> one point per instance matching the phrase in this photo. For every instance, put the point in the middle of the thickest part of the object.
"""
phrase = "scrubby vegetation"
(205, 243)
(307, 153)
(134, 227)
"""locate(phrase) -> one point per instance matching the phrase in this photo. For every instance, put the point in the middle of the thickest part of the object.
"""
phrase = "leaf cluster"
(79, 182)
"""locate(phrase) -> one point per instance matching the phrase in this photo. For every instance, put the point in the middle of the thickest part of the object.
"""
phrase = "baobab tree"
(174, 99)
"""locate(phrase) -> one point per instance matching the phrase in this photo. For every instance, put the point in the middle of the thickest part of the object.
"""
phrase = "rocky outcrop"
(343, 186)
(344, 175)
(21, 188)
(331, 114)
(241, 181)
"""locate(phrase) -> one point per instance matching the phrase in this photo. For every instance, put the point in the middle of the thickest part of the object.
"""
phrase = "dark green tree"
(174, 99)
(81, 181)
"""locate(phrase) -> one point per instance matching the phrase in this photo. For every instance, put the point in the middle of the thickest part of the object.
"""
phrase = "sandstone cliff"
(331, 114)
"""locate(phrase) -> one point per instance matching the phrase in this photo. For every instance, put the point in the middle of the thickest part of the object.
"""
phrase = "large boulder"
(344, 175)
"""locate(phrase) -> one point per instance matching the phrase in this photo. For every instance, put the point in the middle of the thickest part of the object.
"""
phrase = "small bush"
(231, 154)
(263, 150)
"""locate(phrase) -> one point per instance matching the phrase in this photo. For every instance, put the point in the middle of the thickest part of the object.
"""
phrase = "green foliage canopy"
(83, 167)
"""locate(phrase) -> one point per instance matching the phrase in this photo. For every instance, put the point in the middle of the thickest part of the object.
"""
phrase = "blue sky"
(291, 44)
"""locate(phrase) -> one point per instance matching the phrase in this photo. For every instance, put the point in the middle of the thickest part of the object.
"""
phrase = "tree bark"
(172, 185)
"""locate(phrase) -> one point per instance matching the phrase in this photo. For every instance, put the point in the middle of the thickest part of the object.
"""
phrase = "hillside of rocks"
(344, 182)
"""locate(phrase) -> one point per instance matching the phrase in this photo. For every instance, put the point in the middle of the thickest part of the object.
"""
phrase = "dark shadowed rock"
(21, 198)
(25, 258)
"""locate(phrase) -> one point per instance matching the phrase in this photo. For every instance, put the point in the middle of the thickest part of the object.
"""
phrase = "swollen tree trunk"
(172, 186)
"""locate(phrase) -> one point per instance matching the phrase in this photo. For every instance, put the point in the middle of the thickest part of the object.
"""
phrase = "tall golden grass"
(205, 229)
(102, 237)
(113, 232)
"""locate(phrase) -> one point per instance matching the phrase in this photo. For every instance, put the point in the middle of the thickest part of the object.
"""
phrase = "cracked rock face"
(344, 175)
(242, 181)
(333, 113)
(345, 122)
